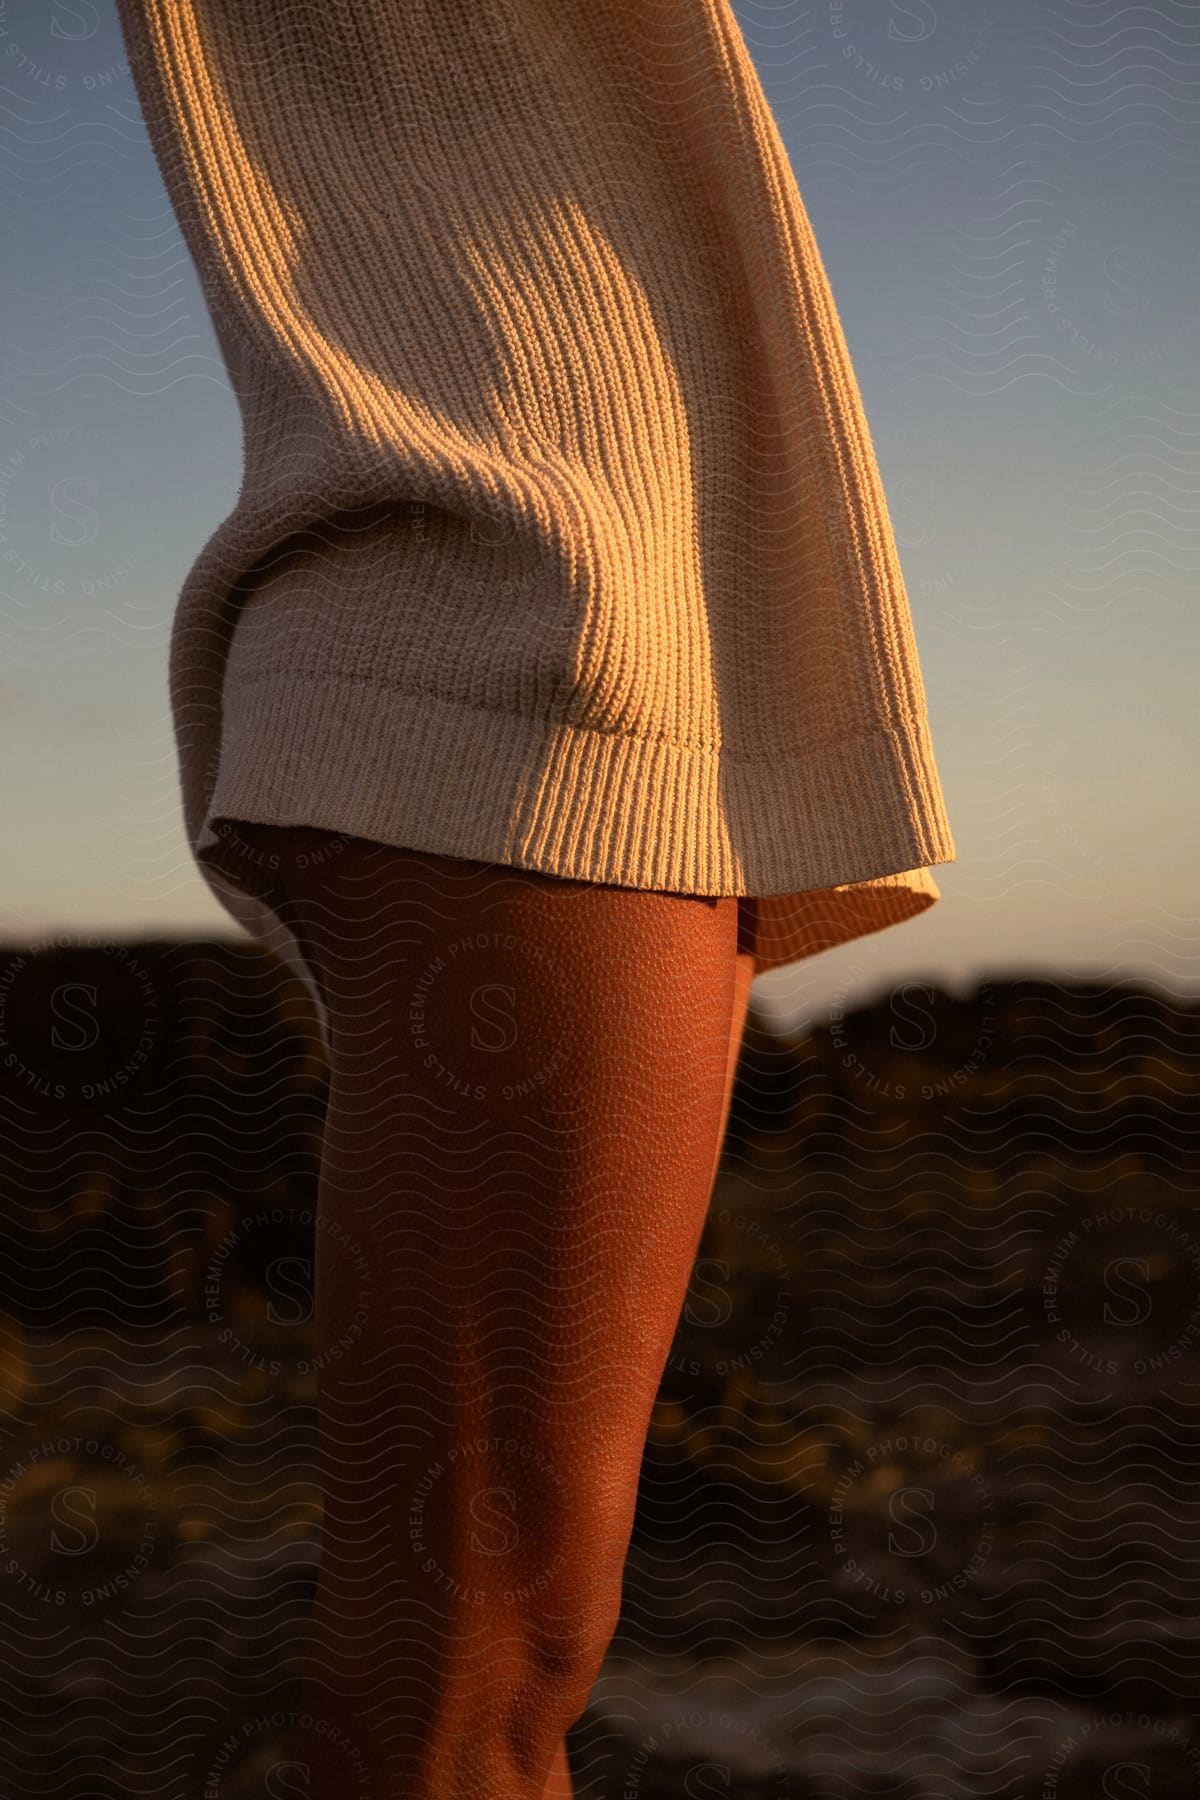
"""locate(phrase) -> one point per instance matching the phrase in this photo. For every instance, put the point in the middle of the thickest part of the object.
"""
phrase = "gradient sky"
(1006, 199)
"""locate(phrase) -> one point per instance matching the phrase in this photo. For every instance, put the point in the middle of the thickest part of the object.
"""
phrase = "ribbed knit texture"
(561, 540)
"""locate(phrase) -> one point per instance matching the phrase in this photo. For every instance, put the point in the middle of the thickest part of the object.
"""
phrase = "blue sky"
(1006, 199)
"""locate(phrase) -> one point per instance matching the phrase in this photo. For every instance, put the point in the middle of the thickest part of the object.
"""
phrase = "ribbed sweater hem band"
(418, 772)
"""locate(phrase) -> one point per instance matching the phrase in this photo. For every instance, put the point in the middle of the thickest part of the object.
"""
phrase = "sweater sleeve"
(539, 275)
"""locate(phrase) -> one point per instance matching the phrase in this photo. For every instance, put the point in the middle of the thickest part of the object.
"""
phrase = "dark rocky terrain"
(920, 1508)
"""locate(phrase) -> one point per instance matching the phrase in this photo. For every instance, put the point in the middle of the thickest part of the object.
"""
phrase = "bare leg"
(558, 1785)
(529, 1081)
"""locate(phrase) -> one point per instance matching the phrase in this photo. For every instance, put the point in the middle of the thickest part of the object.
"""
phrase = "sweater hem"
(352, 756)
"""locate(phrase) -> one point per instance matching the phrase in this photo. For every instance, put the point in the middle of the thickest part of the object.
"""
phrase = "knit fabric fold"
(561, 540)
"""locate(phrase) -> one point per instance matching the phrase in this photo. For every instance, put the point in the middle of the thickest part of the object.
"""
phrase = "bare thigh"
(296, 854)
(529, 1081)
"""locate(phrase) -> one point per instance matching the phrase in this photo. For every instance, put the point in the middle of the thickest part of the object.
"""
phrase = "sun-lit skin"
(534, 1202)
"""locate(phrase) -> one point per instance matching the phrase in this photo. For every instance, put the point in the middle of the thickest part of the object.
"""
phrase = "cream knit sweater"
(561, 540)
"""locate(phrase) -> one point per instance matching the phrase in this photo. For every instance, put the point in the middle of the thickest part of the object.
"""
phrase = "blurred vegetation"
(930, 1405)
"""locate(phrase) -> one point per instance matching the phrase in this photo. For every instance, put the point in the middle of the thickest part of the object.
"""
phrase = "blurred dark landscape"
(920, 1508)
